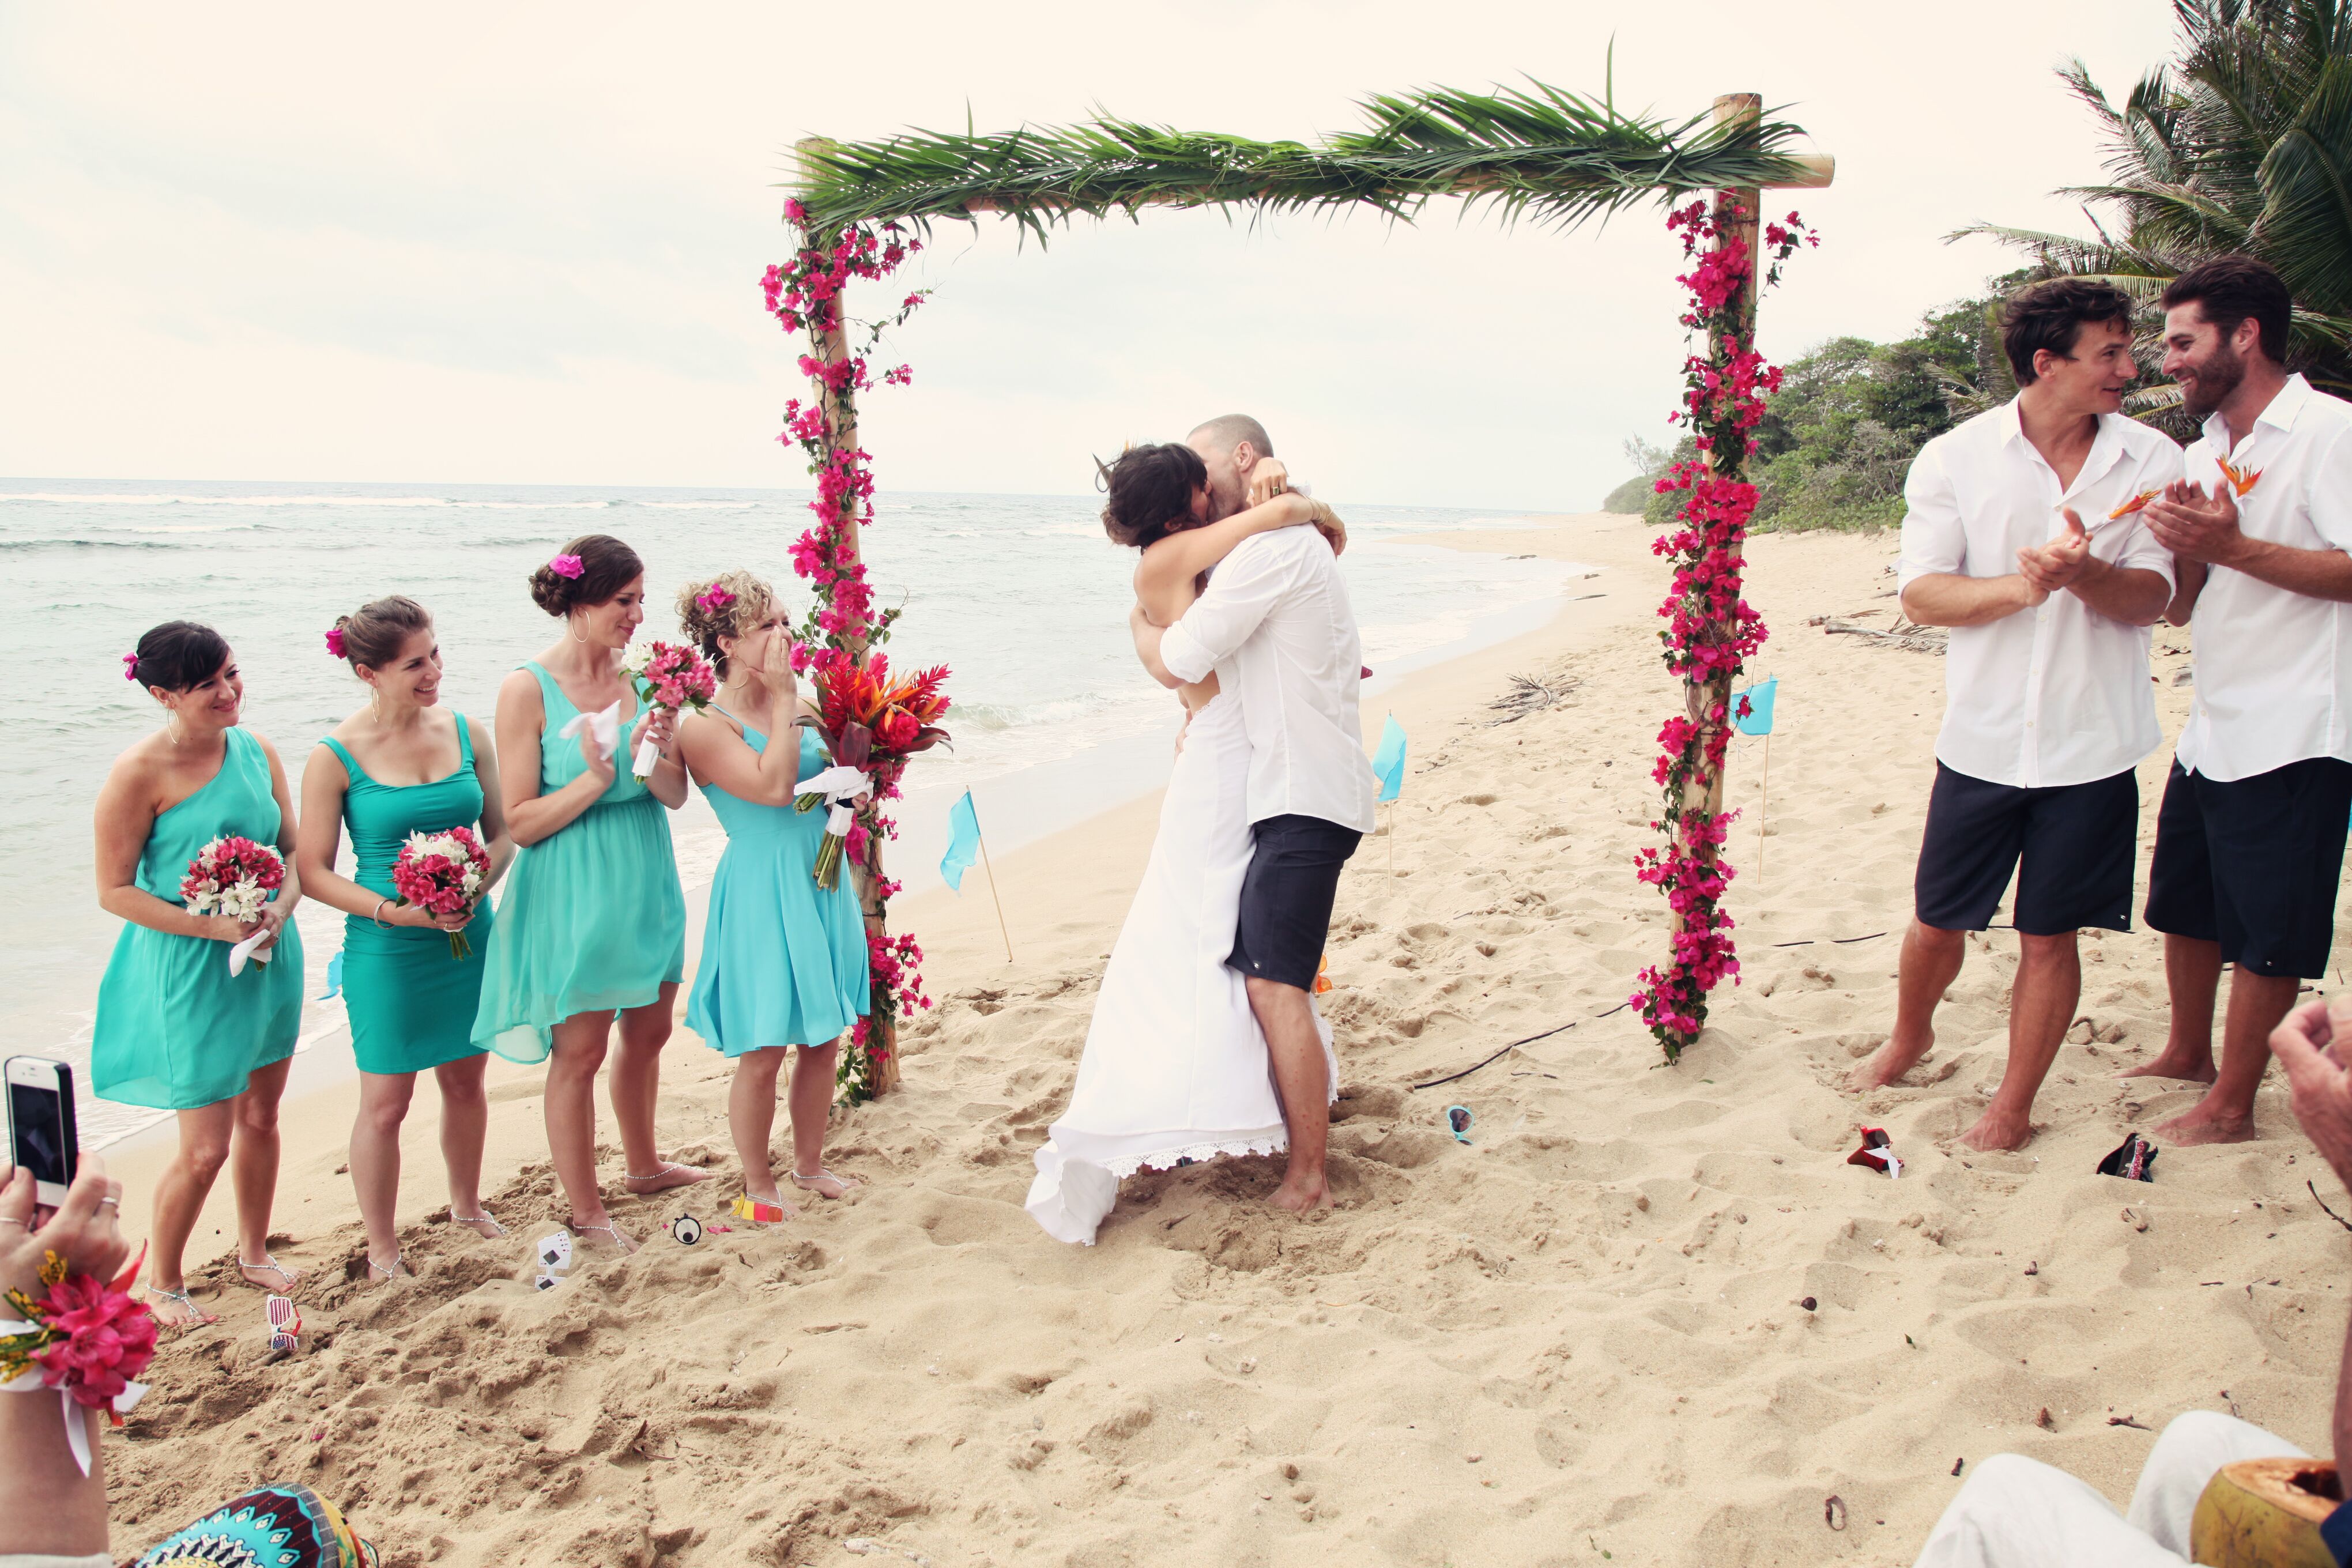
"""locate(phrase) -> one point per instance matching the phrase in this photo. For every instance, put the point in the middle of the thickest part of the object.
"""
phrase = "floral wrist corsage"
(86, 1338)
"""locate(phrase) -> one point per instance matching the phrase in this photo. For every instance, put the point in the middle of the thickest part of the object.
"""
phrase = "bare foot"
(173, 1309)
(825, 1184)
(2201, 1125)
(606, 1238)
(2194, 1068)
(1887, 1064)
(269, 1274)
(1997, 1130)
(669, 1175)
(1302, 1195)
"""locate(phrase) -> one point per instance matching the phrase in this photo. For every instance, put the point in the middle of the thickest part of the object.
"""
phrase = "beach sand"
(1578, 1336)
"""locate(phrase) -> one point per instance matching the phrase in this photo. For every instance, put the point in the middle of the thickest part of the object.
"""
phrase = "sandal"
(198, 1317)
(399, 1267)
(631, 1179)
(612, 1232)
(807, 1184)
(268, 1265)
(481, 1218)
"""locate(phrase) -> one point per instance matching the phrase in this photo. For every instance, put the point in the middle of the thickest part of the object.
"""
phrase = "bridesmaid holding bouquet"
(401, 765)
(593, 924)
(784, 961)
(177, 1027)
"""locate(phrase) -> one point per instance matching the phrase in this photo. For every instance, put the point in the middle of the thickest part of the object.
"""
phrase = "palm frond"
(1538, 151)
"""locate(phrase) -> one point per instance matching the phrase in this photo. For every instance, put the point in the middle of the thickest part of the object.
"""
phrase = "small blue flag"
(1388, 763)
(1757, 719)
(963, 842)
(335, 978)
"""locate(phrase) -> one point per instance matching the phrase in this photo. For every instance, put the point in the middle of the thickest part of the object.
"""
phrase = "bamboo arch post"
(840, 435)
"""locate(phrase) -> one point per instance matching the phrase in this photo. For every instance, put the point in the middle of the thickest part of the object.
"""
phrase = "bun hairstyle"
(726, 605)
(373, 634)
(177, 655)
(602, 566)
(1150, 492)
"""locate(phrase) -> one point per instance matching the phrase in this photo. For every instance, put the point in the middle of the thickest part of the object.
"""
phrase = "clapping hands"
(2195, 526)
(2059, 564)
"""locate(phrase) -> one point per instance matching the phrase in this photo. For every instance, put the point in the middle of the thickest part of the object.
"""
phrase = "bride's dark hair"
(1150, 492)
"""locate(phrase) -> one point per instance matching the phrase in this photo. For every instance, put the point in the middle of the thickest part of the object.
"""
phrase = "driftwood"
(1528, 695)
(1899, 633)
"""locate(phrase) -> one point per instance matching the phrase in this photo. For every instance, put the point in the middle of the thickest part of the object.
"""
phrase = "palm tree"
(2242, 143)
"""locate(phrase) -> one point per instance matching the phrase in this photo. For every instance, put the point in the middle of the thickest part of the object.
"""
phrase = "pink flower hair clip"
(714, 601)
(130, 667)
(566, 566)
(335, 641)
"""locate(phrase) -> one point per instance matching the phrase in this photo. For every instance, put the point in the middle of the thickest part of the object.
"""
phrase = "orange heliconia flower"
(2133, 504)
(2240, 482)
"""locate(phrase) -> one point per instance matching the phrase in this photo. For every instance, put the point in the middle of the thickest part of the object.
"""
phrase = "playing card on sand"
(547, 1281)
(554, 1251)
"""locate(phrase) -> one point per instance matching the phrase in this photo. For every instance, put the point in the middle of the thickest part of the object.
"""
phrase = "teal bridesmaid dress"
(175, 1030)
(593, 917)
(783, 962)
(411, 1004)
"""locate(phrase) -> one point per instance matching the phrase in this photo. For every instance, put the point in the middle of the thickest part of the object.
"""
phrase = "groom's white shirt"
(1277, 628)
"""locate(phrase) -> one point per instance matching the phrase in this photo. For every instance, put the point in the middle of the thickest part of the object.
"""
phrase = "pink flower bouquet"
(443, 874)
(234, 877)
(668, 675)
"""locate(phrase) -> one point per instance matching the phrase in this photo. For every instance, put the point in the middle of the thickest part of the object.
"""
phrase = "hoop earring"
(172, 724)
(375, 702)
(573, 627)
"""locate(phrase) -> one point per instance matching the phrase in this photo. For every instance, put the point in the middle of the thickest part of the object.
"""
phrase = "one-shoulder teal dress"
(783, 962)
(411, 1004)
(175, 1030)
(591, 917)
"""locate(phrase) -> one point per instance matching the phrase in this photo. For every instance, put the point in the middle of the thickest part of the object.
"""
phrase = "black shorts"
(2070, 846)
(2254, 864)
(1287, 895)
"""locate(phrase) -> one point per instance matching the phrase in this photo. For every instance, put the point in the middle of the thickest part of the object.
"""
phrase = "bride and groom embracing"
(1205, 1039)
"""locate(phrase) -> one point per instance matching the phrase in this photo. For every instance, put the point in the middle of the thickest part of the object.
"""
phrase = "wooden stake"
(1763, 804)
(1392, 805)
(992, 887)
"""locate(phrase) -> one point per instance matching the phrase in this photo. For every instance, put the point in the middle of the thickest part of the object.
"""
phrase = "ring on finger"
(115, 1203)
(12, 1219)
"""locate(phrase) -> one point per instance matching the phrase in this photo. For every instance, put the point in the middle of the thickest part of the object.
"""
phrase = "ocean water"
(1022, 595)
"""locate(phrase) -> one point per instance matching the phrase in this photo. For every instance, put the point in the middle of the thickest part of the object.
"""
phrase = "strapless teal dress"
(411, 1004)
(783, 962)
(591, 917)
(175, 1030)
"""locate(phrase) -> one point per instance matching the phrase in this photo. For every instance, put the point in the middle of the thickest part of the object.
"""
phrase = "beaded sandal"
(848, 1184)
(399, 1267)
(630, 1179)
(481, 1218)
(268, 1265)
(198, 1317)
(612, 1232)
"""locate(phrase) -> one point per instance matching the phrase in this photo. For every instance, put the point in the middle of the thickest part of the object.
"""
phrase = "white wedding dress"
(1175, 1067)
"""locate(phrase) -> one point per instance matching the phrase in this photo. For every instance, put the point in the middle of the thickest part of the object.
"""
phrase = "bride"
(1175, 1067)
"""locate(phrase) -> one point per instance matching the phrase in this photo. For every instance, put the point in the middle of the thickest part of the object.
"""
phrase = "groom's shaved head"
(1227, 431)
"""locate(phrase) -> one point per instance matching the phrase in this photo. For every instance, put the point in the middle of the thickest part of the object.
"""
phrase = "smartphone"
(41, 1134)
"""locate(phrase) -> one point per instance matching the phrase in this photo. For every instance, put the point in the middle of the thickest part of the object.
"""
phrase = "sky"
(522, 243)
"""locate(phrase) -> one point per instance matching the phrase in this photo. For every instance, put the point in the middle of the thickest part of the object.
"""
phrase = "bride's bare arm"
(1163, 579)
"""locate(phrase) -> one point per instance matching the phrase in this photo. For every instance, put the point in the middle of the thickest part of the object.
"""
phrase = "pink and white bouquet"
(234, 877)
(666, 676)
(444, 874)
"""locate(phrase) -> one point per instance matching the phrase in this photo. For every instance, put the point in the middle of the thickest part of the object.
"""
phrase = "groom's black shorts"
(1286, 915)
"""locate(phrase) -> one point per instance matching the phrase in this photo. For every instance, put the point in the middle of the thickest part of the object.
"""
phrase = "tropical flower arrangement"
(234, 877)
(805, 297)
(1711, 628)
(443, 874)
(873, 725)
(666, 676)
(86, 1338)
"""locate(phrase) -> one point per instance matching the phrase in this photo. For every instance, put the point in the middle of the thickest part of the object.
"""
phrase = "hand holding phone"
(83, 1230)
(41, 1135)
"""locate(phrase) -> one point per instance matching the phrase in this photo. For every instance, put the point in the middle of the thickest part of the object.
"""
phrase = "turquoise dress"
(411, 1004)
(175, 1030)
(592, 918)
(783, 962)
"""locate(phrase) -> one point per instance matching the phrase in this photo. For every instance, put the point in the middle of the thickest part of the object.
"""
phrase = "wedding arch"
(861, 209)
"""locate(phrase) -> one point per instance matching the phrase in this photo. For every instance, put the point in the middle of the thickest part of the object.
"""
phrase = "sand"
(1579, 1336)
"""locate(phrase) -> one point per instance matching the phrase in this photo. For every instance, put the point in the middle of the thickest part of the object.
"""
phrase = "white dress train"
(1175, 1067)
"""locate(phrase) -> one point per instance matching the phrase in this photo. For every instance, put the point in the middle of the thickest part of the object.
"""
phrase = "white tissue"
(604, 725)
(251, 948)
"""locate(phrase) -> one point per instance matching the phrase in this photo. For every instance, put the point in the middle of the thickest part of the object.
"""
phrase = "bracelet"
(377, 914)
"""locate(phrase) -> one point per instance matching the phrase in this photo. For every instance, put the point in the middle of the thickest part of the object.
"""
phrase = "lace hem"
(1169, 1159)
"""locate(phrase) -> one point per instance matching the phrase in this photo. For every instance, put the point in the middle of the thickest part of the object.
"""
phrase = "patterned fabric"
(269, 1526)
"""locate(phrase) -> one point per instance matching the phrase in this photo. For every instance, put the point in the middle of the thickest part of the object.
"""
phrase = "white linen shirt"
(2274, 667)
(2059, 694)
(1276, 627)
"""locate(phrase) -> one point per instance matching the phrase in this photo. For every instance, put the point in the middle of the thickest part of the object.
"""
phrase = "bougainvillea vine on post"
(1711, 628)
(805, 296)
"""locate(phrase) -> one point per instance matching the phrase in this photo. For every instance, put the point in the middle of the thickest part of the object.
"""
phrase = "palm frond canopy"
(1540, 153)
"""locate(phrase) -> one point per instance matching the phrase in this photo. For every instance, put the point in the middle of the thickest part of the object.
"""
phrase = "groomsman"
(2250, 839)
(2023, 535)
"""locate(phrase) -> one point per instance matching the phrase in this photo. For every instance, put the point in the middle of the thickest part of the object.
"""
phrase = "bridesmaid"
(404, 764)
(175, 1030)
(783, 962)
(594, 919)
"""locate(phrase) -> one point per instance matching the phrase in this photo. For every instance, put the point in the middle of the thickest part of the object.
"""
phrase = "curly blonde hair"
(729, 605)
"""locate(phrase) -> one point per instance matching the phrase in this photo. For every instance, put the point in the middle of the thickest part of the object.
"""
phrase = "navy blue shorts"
(2070, 846)
(2254, 864)
(1286, 898)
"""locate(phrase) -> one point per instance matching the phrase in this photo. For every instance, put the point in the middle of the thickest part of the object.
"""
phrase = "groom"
(1275, 626)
